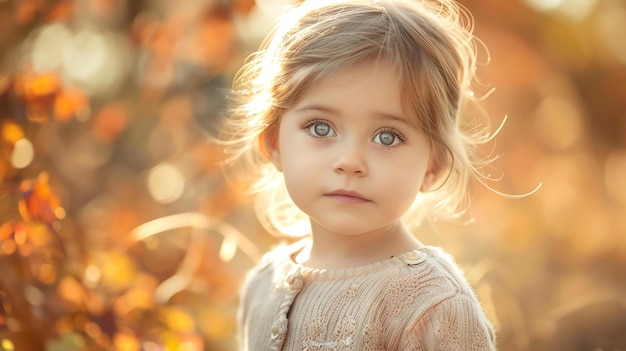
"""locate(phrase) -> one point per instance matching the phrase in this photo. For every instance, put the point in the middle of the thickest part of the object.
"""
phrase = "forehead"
(374, 85)
(373, 79)
(365, 90)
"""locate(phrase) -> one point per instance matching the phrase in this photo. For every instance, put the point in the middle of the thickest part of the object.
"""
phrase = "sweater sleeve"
(242, 311)
(253, 282)
(456, 323)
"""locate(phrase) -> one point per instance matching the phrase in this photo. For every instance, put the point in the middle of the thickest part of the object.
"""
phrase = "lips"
(347, 195)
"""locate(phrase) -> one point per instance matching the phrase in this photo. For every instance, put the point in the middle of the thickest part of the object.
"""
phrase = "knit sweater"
(415, 301)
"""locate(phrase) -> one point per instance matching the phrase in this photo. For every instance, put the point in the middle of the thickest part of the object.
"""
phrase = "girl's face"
(350, 159)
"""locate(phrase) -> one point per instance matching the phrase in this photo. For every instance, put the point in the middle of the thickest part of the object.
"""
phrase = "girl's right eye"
(320, 129)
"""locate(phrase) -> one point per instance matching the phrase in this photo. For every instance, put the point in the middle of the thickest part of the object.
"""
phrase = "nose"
(351, 160)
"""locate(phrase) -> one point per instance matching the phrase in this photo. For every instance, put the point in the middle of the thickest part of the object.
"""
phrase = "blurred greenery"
(118, 231)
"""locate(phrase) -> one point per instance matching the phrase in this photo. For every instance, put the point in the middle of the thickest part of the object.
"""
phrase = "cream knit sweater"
(416, 301)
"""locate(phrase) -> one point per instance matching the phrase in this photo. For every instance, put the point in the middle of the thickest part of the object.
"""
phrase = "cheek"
(402, 184)
(295, 156)
(300, 168)
(406, 184)
(302, 181)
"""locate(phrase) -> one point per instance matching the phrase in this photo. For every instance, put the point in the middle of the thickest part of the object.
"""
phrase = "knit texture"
(416, 301)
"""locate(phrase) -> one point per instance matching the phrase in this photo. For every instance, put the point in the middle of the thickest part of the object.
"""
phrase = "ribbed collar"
(287, 254)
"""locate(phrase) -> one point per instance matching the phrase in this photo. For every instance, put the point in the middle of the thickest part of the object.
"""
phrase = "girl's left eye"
(388, 138)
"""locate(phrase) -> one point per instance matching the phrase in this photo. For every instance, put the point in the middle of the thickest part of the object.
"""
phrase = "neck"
(332, 250)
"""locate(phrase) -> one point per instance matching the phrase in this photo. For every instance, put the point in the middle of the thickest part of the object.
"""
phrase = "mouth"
(347, 195)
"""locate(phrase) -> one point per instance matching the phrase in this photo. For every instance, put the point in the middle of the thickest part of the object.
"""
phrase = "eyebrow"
(332, 111)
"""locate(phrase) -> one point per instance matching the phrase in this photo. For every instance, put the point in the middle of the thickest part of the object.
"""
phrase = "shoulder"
(429, 268)
(427, 277)
(446, 268)
(273, 263)
(261, 280)
(435, 303)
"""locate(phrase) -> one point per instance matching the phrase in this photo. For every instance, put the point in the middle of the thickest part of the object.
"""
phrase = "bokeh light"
(574, 9)
(23, 154)
(7, 345)
(166, 183)
(48, 47)
(95, 61)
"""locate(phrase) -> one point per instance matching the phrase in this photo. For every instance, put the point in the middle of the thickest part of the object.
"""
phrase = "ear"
(429, 181)
(268, 143)
(438, 170)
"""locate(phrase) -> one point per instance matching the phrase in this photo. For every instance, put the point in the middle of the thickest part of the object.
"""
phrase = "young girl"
(354, 108)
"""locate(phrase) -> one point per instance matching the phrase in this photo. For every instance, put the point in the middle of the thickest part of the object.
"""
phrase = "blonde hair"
(432, 45)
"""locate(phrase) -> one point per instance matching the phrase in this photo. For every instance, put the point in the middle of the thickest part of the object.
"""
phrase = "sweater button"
(275, 332)
(414, 257)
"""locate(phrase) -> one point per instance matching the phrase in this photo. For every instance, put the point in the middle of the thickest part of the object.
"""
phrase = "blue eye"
(388, 138)
(320, 129)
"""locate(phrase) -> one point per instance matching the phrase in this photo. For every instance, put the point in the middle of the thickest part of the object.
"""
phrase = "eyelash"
(393, 131)
(311, 123)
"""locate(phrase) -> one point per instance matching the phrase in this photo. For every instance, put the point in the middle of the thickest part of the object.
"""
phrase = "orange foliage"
(38, 203)
(25, 12)
(34, 86)
(215, 43)
(61, 11)
(243, 6)
(11, 132)
(68, 103)
(44, 95)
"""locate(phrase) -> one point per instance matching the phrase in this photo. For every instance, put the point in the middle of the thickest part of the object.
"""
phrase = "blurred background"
(119, 232)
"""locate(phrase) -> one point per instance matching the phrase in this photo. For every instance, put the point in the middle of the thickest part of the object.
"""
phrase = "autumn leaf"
(38, 203)
(68, 103)
(38, 91)
(7, 244)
